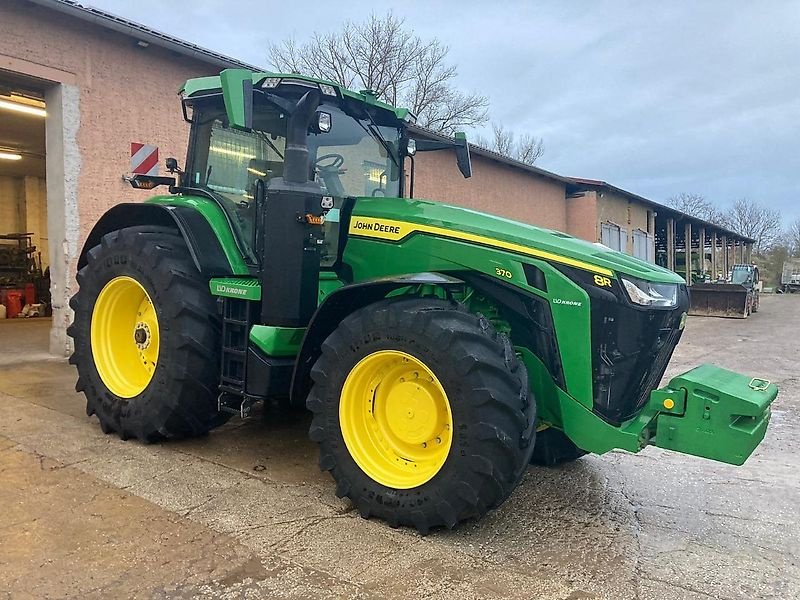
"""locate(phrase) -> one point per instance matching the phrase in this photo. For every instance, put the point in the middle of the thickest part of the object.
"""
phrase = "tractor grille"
(631, 346)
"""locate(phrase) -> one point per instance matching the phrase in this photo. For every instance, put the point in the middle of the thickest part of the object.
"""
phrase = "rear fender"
(203, 244)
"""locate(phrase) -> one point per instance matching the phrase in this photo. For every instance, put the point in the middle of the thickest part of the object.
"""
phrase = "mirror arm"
(459, 144)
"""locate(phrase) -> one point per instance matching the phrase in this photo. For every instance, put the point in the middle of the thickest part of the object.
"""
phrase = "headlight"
(647, 293)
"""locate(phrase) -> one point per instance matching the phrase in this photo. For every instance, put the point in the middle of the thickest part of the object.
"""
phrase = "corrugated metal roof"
(143, 33)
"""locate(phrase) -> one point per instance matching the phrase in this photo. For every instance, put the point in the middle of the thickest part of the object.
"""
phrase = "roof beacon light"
(271, 82)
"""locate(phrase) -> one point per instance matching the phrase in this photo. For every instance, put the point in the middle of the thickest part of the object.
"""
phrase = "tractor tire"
(554, 448)
(147, 337)
(422, 413)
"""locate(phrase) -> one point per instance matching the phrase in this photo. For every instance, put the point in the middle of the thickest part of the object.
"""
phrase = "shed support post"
(687, 243)
(671, 244)
(702, 247)
(724, 256)
(714, 256)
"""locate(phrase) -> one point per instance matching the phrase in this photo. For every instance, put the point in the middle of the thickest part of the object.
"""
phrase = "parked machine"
(440, 349)
(738, 299)
(23, 281)
(790, 276)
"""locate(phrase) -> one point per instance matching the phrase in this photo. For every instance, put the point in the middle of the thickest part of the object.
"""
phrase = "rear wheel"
(422, 413)
(146, 337)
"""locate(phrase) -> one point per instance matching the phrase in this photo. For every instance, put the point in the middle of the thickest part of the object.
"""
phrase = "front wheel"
(422, 413)
(553, 448)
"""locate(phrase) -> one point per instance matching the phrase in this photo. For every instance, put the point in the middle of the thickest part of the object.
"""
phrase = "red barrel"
(13, 303)
(30, 293)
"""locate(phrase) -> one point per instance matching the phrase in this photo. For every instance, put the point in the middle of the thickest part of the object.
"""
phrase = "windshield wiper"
(265, 137)
(376, 134)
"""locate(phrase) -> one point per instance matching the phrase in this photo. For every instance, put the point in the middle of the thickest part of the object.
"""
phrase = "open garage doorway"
(24, 239)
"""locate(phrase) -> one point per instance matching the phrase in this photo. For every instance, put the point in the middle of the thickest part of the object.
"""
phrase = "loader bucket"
(713, 413)
(718, 300)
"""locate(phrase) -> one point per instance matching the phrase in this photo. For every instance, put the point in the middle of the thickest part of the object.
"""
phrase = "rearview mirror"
(462, 154)
(172, 165)
(458, 143)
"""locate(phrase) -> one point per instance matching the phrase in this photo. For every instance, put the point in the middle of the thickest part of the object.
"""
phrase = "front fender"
(336, 306)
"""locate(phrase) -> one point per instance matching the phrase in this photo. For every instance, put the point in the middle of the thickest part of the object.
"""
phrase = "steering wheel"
(336, 162)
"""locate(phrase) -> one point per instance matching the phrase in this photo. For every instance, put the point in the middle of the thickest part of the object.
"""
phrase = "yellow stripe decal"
(394, 231)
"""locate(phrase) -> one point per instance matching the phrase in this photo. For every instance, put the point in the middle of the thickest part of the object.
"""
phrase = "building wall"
(617, 209)
(582, 221)
(127, 94)
(493, 188)
(102, 92)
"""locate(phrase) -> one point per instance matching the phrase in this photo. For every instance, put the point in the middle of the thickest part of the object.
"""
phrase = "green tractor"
(440, 350)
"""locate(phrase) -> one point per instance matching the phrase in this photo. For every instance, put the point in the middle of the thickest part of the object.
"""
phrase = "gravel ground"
(245, 512)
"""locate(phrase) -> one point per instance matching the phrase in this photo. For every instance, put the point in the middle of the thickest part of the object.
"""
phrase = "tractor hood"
(396, 218)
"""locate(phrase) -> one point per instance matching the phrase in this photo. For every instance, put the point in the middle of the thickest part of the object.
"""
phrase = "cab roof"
(202, 86)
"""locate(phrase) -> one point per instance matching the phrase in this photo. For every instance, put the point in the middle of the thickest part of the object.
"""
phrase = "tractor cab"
(355, 146)
(351, 152)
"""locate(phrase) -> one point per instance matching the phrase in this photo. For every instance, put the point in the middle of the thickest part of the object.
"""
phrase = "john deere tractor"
(440, 350)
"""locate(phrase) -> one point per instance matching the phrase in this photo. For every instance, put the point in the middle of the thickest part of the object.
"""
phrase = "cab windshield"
(741, 276)
(355, 158)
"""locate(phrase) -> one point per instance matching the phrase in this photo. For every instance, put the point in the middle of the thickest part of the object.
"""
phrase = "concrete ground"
(245, 512)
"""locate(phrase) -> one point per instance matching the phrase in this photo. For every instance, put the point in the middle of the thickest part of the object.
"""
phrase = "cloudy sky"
(657, 98)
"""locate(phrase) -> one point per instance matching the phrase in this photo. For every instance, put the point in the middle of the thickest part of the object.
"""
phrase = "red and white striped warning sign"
(144, 159)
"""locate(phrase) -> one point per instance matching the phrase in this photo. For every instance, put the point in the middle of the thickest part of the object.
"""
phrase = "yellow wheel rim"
(395, 419)
(125, 337)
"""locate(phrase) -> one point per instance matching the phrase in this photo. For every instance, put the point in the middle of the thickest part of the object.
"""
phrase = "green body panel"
(236, 287)
(560, 410)
(463, 220)
(232, 84)
(219, 225)
(726, 415)
(277, 341)
(328, 282)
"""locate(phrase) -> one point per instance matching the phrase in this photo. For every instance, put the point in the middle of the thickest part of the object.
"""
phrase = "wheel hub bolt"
(141, 335)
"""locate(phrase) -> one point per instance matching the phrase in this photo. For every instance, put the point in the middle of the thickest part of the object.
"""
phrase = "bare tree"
(793, 237)
(383, 55)
(753, 220)
(696, 205)
(528, 149)
(503, 140)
